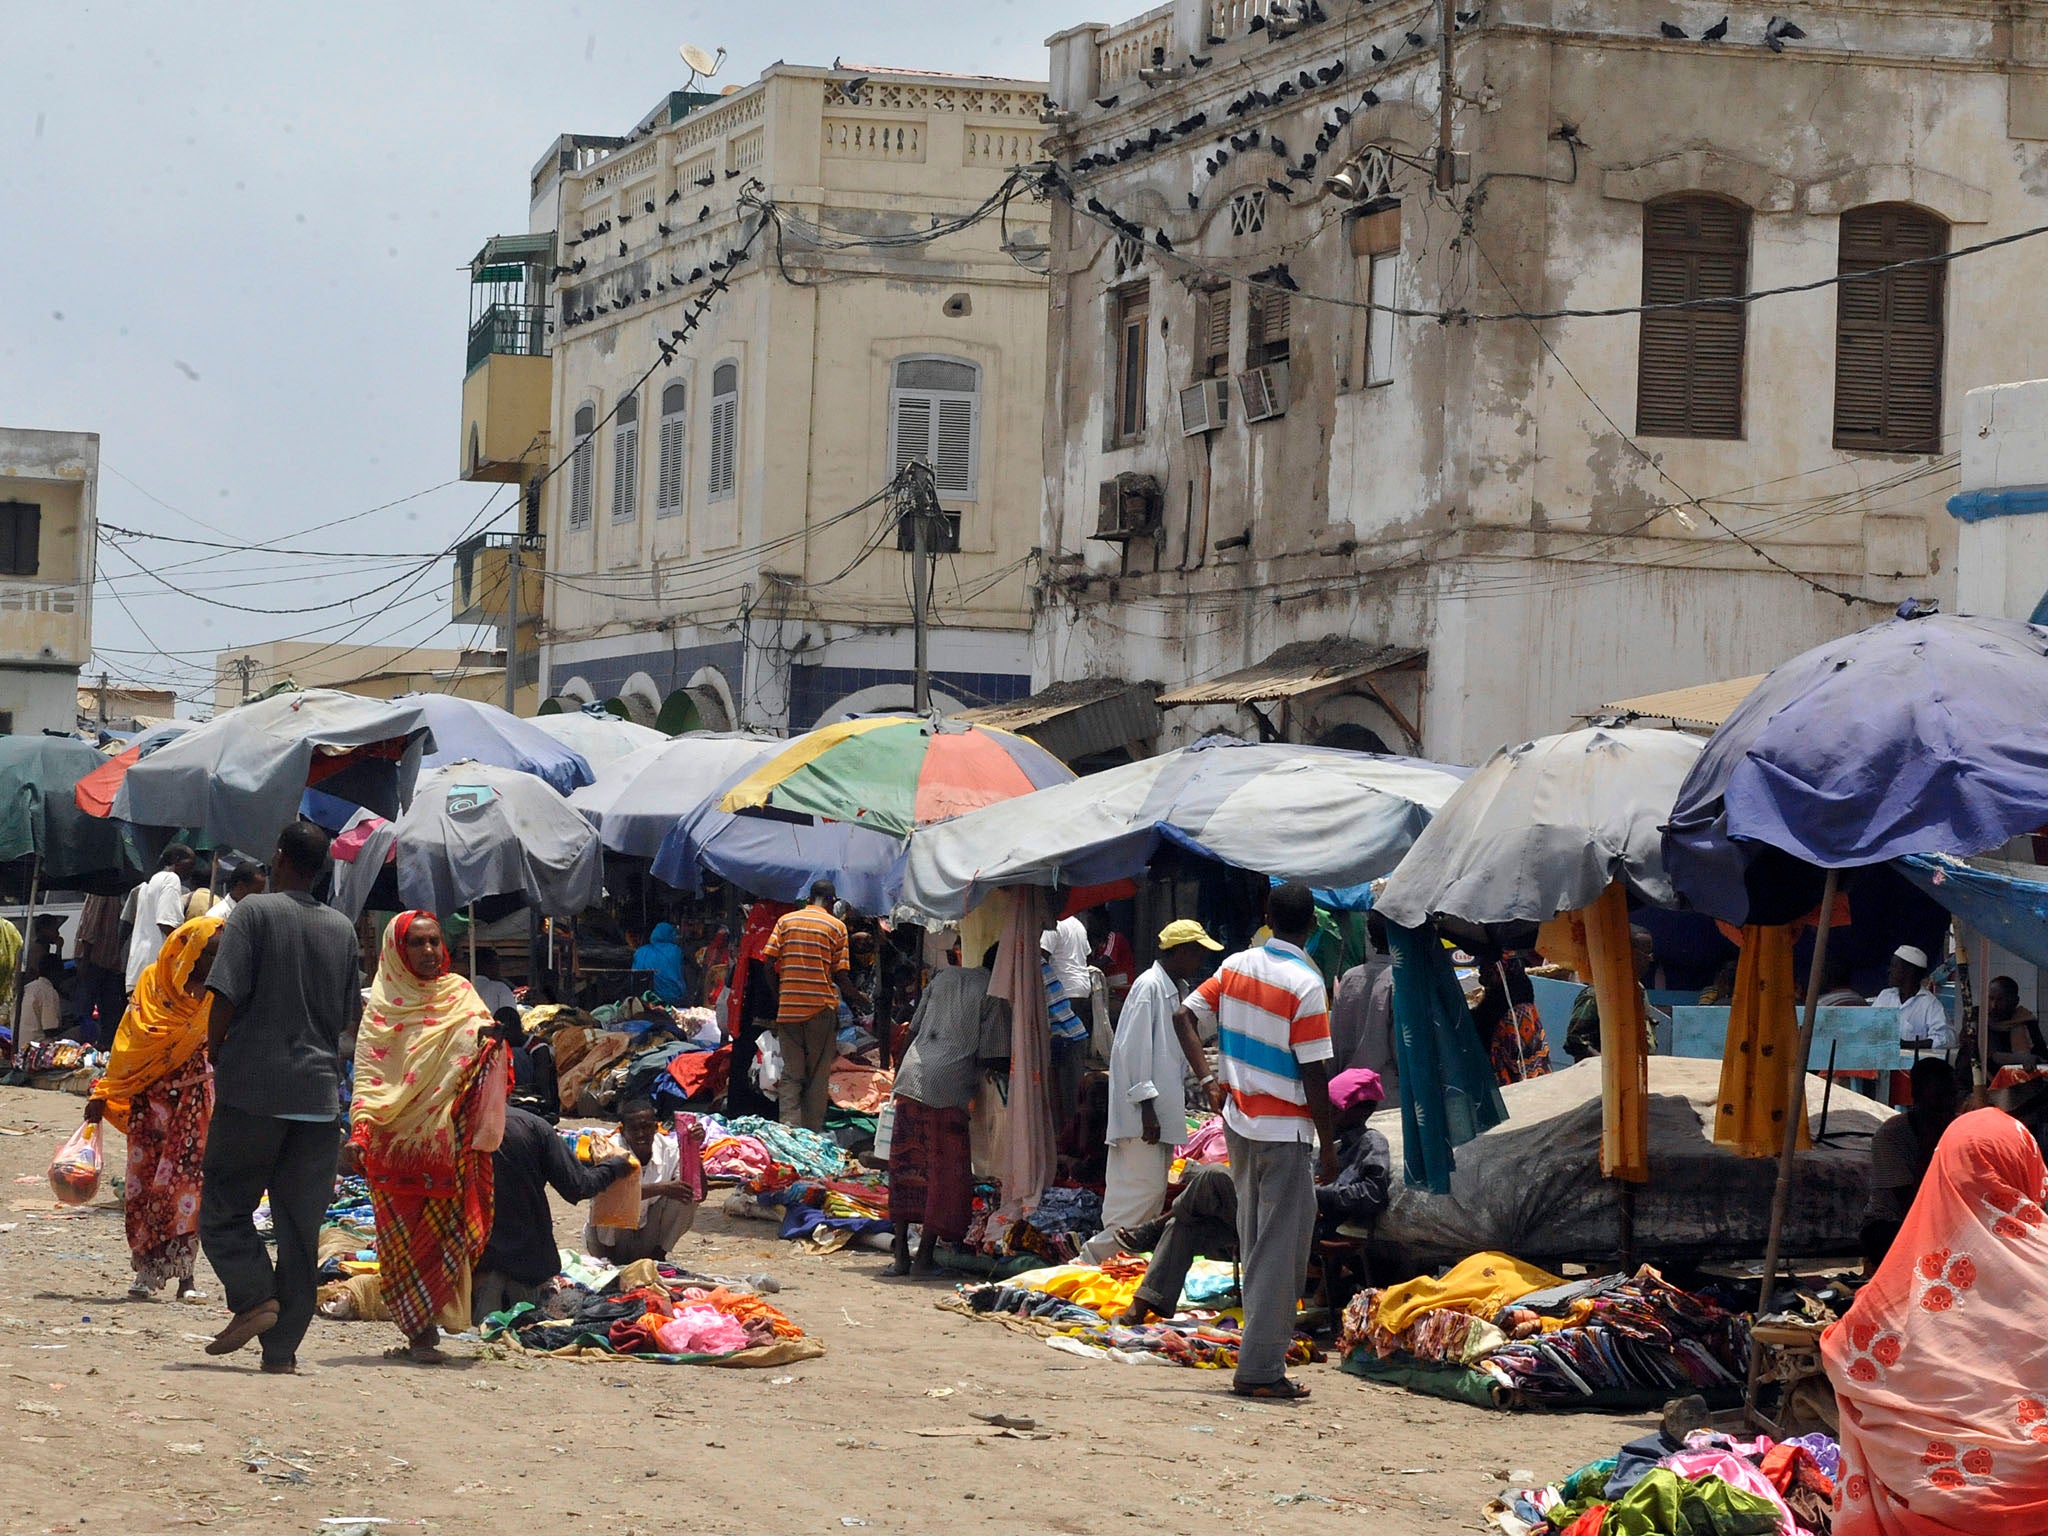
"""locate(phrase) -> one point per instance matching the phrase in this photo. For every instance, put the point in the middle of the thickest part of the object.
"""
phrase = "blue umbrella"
(777, 859)
(484, 733)
(1922, 734)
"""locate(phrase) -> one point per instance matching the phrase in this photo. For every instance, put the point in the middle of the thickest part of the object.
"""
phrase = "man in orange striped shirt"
(1272, 1019)
(808, 951)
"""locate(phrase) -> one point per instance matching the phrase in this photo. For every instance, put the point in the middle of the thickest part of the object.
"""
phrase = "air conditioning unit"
(949, 541)
(1131, 507)
(1264, 391)
(1204, 407)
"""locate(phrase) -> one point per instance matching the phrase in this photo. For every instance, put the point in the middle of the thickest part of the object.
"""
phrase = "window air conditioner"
(1204, 407)
(1130, 508)
(1264, 391)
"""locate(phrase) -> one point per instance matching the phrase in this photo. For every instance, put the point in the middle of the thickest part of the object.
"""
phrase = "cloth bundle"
(1707, 1482)
(676, 1317)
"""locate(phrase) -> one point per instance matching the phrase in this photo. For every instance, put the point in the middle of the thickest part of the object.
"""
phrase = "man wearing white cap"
(1147, 1096)
(1922, 1020)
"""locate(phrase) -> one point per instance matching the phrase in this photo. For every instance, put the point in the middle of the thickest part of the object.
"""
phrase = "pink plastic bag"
(75, 1170)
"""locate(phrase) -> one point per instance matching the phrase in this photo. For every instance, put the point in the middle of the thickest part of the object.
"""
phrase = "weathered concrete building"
(715, 553)
(49, 492)
(1446, 529)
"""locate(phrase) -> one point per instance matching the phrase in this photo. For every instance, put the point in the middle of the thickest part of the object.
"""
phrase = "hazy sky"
(237, 237)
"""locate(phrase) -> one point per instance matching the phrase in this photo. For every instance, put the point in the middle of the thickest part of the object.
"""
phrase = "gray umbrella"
(474, 831)
(239, 777)
(1544, 828)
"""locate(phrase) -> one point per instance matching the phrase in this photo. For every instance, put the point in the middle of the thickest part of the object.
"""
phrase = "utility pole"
(103, 701)
(244, 666)
(1446, 25)
(512, 621)
(924, 516)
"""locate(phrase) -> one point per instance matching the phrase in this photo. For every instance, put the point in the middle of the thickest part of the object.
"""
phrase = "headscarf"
(165, 1025)
(419, 1056)
(663, 955)
(1941, 1366)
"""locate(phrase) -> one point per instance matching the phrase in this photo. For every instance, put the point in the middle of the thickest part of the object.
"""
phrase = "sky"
(238, 241)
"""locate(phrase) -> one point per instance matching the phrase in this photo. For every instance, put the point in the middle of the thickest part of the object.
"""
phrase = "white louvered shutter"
(953, 450)
(668, 490)
(625, 473)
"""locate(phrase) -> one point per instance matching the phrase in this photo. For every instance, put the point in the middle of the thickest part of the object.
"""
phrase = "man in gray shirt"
(286, 988)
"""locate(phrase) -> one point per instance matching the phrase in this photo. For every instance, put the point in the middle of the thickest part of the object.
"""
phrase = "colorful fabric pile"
(763, 1156)
(1064, 1218)
(659, 1314)
(56, 1056)
(1706, 1482)
(1499, 1332)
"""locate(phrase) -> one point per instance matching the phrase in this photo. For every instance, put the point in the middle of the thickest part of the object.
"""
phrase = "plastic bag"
(492, 1093)
(767, 1067)
(618, 1204)
(75, 1170)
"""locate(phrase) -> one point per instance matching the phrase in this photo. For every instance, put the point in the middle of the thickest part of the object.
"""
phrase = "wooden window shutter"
(1216, 332)
(1889, 340)
(1270, 319)
(580, 467)
(1689, 363)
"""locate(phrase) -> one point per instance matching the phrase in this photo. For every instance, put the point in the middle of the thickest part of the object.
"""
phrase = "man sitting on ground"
(521, 1256)
(668, 1207)
(1900, 1153)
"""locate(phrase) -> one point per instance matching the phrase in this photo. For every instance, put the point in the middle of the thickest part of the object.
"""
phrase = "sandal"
(1284, 1390)
(243, 1327)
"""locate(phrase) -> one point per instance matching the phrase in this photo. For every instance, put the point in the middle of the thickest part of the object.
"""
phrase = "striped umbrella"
(895, 773)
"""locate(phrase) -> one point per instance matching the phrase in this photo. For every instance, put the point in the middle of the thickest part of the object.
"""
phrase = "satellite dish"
(701, 62)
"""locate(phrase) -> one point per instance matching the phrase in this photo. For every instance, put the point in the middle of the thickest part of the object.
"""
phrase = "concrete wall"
(312, 664)
(775, 568)
(46, 617)
(1493, 502)
(2002, 532)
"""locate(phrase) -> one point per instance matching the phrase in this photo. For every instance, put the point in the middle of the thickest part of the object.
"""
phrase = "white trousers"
(1133, 1191)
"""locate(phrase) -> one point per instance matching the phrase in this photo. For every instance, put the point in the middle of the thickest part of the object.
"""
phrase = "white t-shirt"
(1066, 947)
(664, 1166)
(159, 905)
(1921, 1017)
(41, 1013)
(221, 908)
(494, 992)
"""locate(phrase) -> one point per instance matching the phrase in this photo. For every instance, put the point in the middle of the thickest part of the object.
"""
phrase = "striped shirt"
(1059, 1010)
(1271, 1015)
(807, 949)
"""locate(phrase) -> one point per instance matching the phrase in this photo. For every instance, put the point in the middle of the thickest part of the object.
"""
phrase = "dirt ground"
(116, 1420)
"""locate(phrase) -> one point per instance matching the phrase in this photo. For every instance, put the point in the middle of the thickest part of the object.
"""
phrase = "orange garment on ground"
(1940, 1369)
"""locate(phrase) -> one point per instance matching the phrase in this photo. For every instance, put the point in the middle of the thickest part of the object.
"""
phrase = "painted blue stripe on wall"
(2007, 501)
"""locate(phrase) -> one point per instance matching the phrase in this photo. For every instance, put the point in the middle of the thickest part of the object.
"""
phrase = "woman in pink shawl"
(1941, 1366)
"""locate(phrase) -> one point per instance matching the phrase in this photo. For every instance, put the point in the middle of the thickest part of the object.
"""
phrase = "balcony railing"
(515, 330)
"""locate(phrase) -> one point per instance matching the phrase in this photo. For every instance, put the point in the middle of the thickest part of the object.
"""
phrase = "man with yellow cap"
(1147, 1098)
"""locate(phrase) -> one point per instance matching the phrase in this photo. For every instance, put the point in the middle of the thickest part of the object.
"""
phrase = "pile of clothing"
(1704, 1482)
(56, 1056)
(658, 1313)
(1064, 1218)
(1499, 1332)
(764, 1156)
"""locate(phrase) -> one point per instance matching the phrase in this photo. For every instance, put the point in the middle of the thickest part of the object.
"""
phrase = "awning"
(1704, 705)
(1080, 718)
(1307, 666)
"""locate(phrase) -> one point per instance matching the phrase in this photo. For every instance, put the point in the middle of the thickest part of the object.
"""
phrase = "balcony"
(483, 579)
(508, 330)
(507, 384)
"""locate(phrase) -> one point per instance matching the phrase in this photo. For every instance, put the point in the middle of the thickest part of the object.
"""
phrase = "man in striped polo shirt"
(1272, 1022)
(808, 951)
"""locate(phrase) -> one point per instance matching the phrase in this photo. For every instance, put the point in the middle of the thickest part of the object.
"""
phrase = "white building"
(1440, 534)
(49, 489)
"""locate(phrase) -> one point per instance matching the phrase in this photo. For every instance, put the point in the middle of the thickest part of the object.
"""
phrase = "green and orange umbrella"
(895, 773)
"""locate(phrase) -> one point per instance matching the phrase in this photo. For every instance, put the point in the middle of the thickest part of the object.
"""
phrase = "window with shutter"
(1130, 320)
(626, 461)
(935, 415)
(1689, 363)
(21, 528)
(669, 477)
(580, 467)
(725, 430)
(1215, 333)
(1269, 318)
(1889, 339)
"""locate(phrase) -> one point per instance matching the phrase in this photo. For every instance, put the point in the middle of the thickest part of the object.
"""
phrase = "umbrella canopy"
(474, 831)
(484, 733)
(1922, 734)
(95, 792)
(893, 773)
(638, 800)
(39, 814)
(767, 856)
(599, 739)
(1544, 828)
(1337, 820)
(240, 776)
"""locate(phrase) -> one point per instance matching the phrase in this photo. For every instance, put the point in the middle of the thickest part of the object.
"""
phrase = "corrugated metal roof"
(1307, 666)
(1706, 705)
(1080, 718)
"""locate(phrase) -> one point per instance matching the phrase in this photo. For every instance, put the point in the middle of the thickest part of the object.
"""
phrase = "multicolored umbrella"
(895, 773)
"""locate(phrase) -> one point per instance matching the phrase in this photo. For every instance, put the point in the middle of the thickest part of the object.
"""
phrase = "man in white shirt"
(488, 986)
(1147, 1086)
(1066, 949)
(1922, 1019)
(668, 1207)
(248, 879)
(159, 909)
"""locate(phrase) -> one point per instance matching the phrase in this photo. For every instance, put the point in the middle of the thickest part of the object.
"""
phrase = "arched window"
(1689, 372)
(668, 489)
(626, 461)
(935, 415)
(1888, 331)
(725, 430)
(580, 467)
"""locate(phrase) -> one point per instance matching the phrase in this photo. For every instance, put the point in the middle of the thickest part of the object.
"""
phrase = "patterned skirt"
(931, 1169)
(428, 1247)
(166, 1152)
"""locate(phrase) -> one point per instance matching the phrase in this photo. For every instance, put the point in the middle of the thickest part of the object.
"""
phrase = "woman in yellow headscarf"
(423, 1066)
(158, 1092)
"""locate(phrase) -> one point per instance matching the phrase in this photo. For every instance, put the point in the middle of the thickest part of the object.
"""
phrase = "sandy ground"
(114, 1419)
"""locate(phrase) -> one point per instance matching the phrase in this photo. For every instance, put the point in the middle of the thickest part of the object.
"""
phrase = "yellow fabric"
(1480, 1286)
(1084, 1285)
(983, 927)
(1562, 941)
(10, 966)
(1763, 1036)
(418, 1052)
(165, 1025)
(1624, 1035)
(757, 786)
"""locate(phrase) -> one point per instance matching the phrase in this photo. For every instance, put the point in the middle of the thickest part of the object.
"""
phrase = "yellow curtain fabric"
(1624, 1030)
(1763, 1035)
